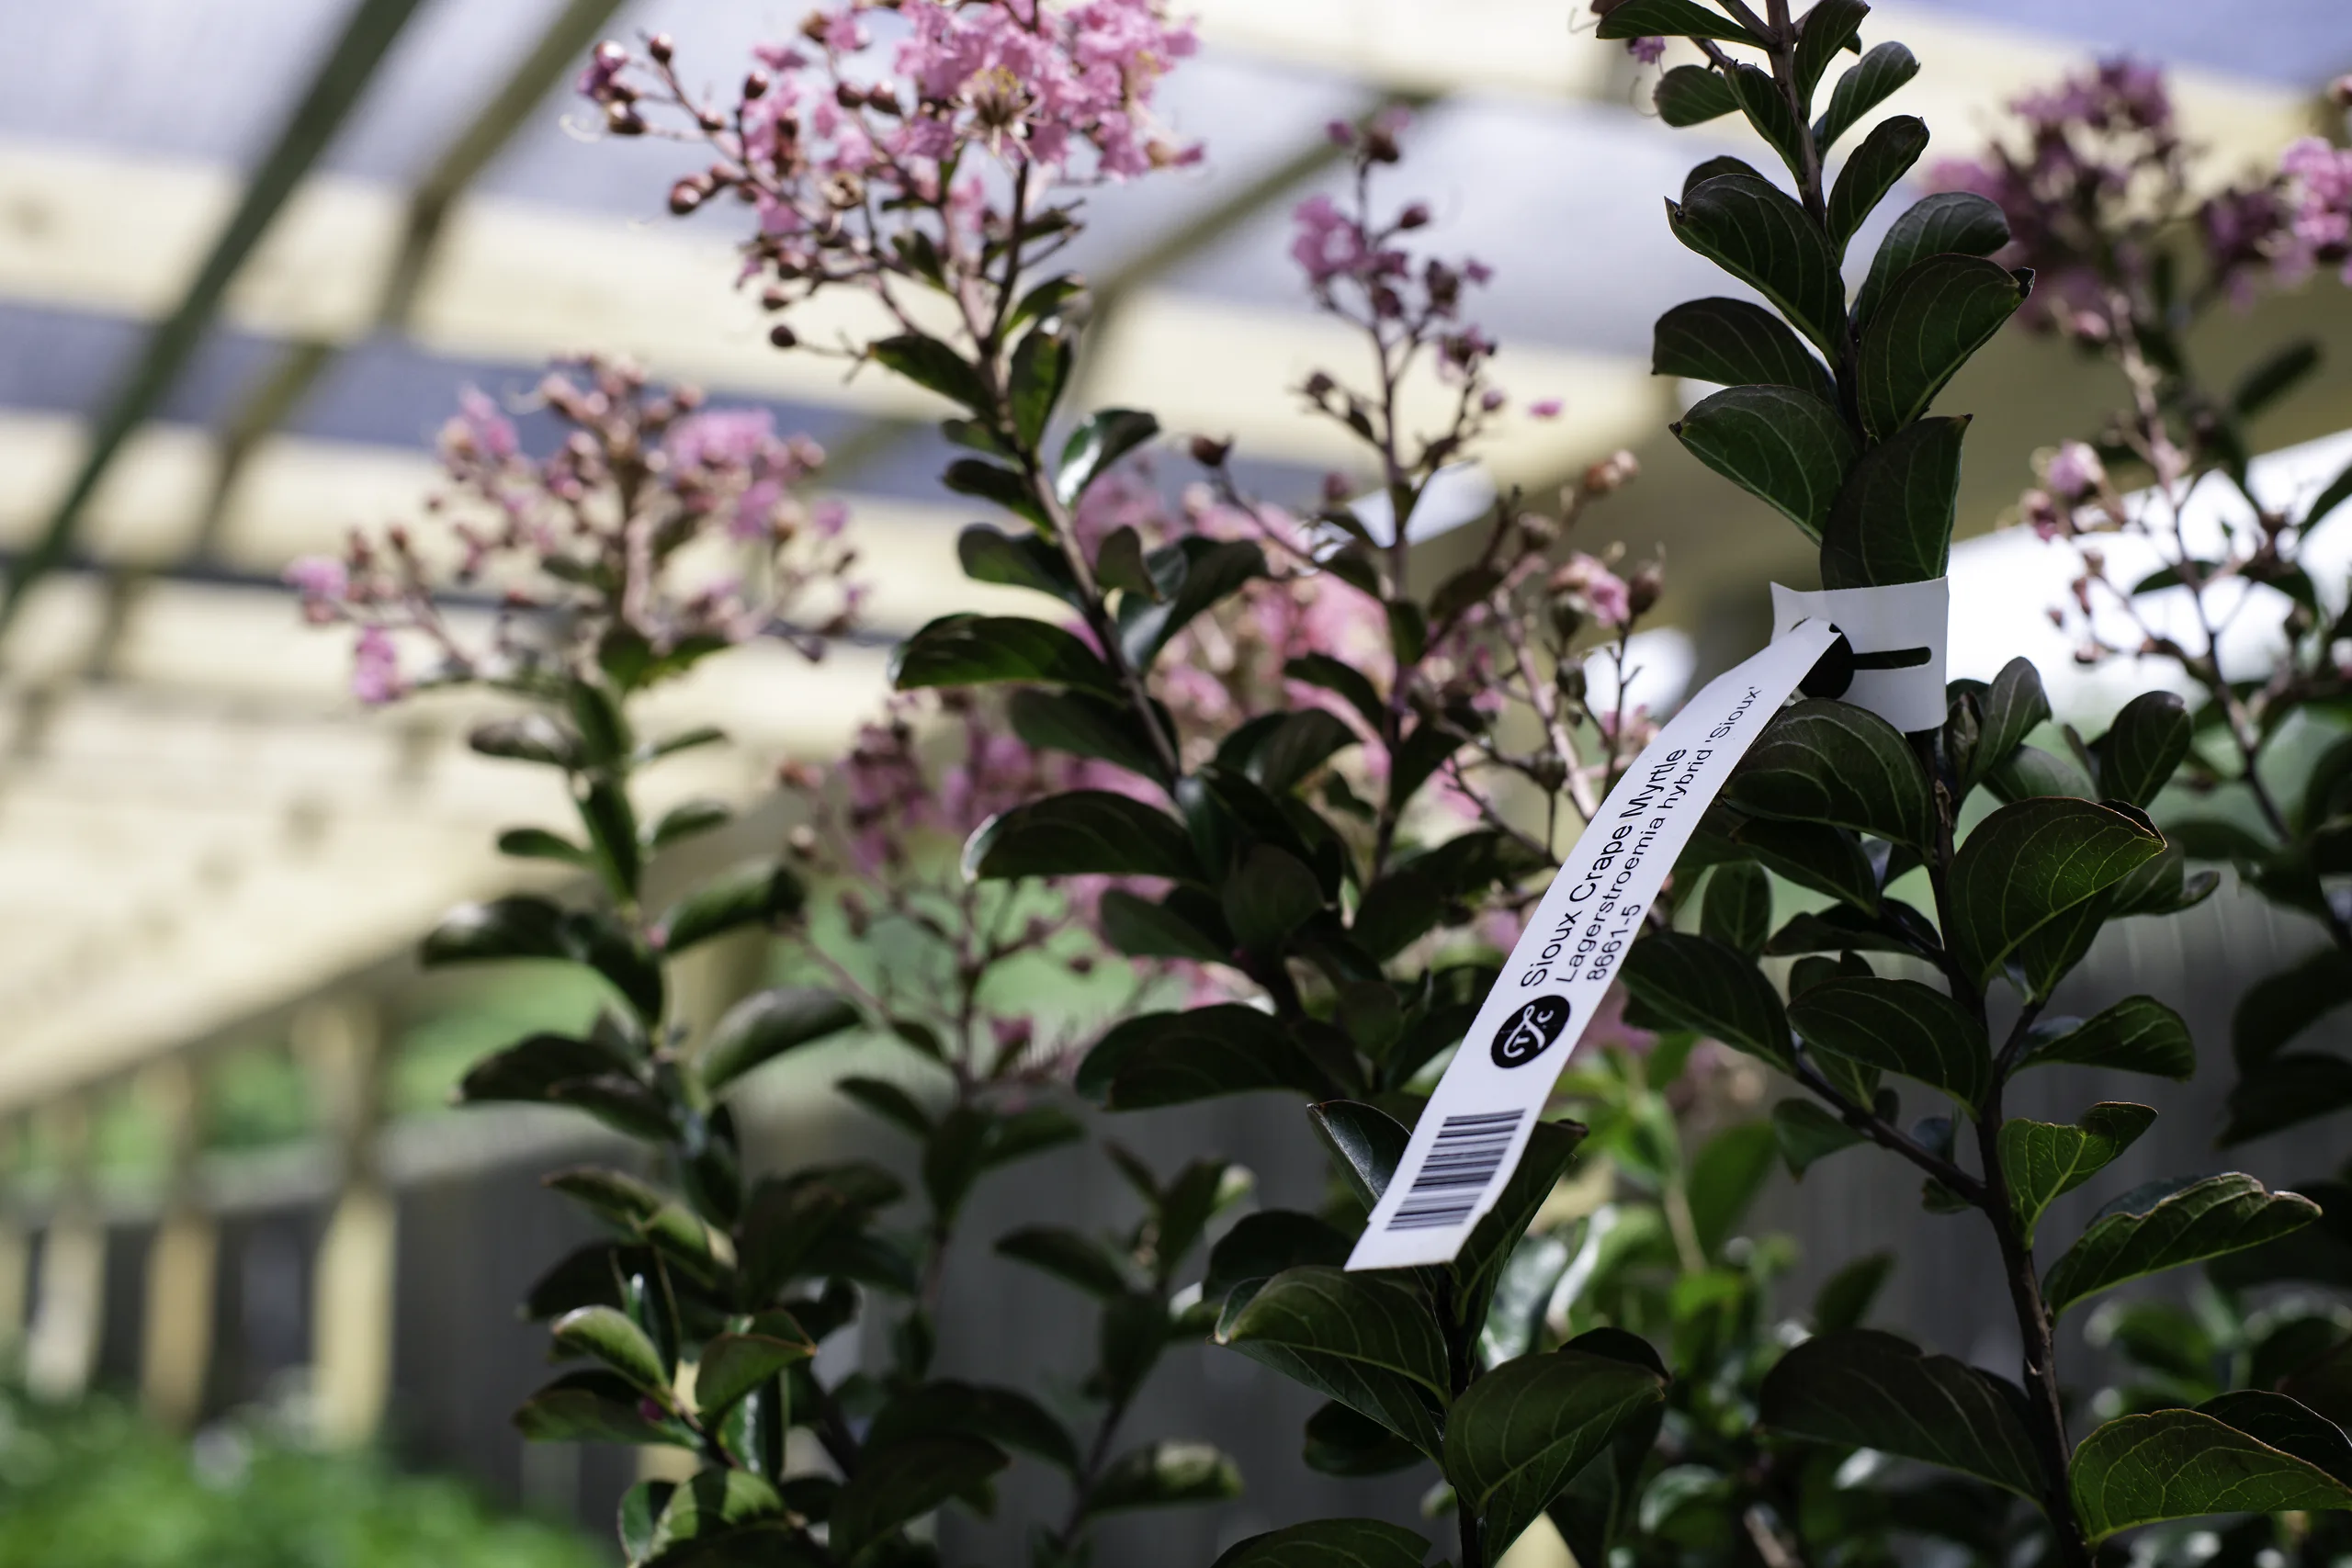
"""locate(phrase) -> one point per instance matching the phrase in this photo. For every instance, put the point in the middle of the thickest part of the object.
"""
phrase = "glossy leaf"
(1929, 321)
(1692, 983)
(1016, 560)
(2177, 1464)
(1213, 570)
(1692, 95)
(1141, 928)
(2140, 749)
(1863, 88)
(2012, 708)
(1075, 1259)
(1805, 1134)
(1893, 521)
(608, 1335)
(531, 1069)
(2166, 1224)
(1734, 343)
(1162, 1474)
(1758, 233)
(1844, 1298)
(2030, 771)
(765, 1024)
(736, 1362)
(1825, 28)
(1668, 19)
(1727, 1175)
(1737, 908)
(1328, 1543)
(2278, 1008)
(757, 891)
(2040, 1160)
(906, 1481)
(945, 1407)
(969, 650)
(1270, 895)
(1083, 724)
(715, 1518)
(1361, 1339)
(1516, 1437)
(1866, 1389)
(1098, 443)
(1173, 1058)
(1768, 112)
(1366, 1143)
(2137, 1034)
(2027, 864)
(1959, 222)
(1901, 1026)
(1262, 1244)
(930, 364)
(1829, 860)
(1833, 763)
(2286, 1090)
(593, 1408)
(1341, 1442)
(1785, 447)
(1885, 155)
(1085, 832)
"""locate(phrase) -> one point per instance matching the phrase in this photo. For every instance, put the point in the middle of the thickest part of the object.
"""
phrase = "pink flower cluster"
(583, 554)
(2317, 225)
(852, 140)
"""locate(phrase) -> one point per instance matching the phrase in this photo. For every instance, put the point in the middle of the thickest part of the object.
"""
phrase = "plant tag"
(1475, 1128)
(1897, 634)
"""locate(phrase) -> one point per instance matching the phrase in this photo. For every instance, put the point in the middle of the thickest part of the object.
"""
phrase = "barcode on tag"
(1463, 1158)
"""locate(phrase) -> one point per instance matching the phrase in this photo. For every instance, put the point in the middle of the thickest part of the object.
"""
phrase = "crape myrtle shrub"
(1242, 745)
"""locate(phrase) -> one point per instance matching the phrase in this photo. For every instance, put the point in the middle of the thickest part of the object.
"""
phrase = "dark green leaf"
(530, 1070)
(2026, 864)
(2031, 772)
(1330, 1544)
(2288, 1426)
(1735, 343)
(1959, 222)
(1363, 1339)
(1893, 521)
(528, 738)
(2286, 1090)
(1865, 1388)
(1844, 1298)
(1075, 1259)
(930, 364)
(2279, 1008)
(1784, 446)
(1173, 1058)
(687, 819)
(1829, 860)
(1516, 1437)
(1829, 761)
(1758, 233)
(1768, 112)
(1692, 95)
(736, 1362)
(1366, 1143)
(537, 843)
(1213, 570)
(1885, 155)
(1737, 909)
(1726, 1174)
(969, 650)
(1141, 928)
(2177, 1464)
(947, 1408)
(1413, 897)
(1806, 1132)
(2166, 1224)
(766, 1024)
(1341, 1442)
(2042, 1159)
(1292, 748)
(1550, 1148)
(889, 1101)
(756, 892)
(1901, 1026)
(593, 1408)
(1262, 1244)
(523, 926)
(1692, 983)
(1669, 18)
(1827, 28)
(1022, 560)
(723, 1518)
(1097, 444)
(607, 1334)
(1040, 369)
(2339, 491)
(1863, 88)
(1084, 724)
(2137, 1034)
(1344, 678)
(1927, 324)
(906, 1481)
(2273, 376)
(2011, 709)
(1085, 832)
(1270, 895)
(1163, 1473)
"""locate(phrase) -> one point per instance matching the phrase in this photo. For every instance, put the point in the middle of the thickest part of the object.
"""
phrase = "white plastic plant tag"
(1897, 634)
(1475, 1128)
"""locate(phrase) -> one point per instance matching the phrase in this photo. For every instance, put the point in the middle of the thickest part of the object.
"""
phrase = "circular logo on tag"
(1525, 1034)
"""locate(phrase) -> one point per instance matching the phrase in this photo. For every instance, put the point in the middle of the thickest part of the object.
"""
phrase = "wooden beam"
(340, 1043)
(62, 1347)
(175, 1342)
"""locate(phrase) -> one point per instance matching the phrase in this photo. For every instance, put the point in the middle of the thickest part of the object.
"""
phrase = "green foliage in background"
(96, 1487)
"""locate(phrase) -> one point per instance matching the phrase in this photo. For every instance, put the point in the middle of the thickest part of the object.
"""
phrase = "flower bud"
(1210, 453)
(1380, 147)
(1320, 386)
(782, 336)
(623, 120)
(1612, 473)
(1642, 589)
(2339, 92)
(849, 95)
(1537, 532)
(688, 193)
(815, 26)
(1414, 217)
(660, 48)
(802, 842)
(755, 85)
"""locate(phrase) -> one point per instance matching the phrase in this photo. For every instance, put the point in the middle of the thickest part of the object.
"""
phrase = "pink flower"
(2075, 471)
(481, 427)
(1544, 408)
(1648, 50)
(375, 668)
(721, 438)
(1329, 242)
(1603, 593)
(318, 578)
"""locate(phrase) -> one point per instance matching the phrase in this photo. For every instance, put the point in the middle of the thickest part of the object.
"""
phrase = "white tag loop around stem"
(1898, 635)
